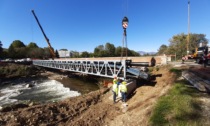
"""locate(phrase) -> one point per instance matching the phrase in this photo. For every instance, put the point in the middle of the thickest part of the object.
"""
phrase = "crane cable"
(124, 40)
(125, 7)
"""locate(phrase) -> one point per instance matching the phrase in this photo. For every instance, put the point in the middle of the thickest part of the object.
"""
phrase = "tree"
(17, 50)
(17, 44)
(21, 53)
(133, 53)
(99, 51)
(96, 52)
(36, 53)
(1, 49)
(178, 44)
(56, 54)
(75, 54)
(32, 45)
(110, 49)
(118, 51)
(46, 53)
(196, 40)
(162, 50)
(11, 52)
(85, 54)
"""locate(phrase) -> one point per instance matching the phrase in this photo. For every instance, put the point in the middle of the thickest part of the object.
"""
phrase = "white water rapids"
(49, 90)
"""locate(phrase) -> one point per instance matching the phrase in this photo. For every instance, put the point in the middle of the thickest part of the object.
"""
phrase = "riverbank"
(94, 108)
(97, 108)
(43, 87)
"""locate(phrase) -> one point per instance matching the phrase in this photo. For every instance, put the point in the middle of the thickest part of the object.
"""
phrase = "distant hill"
(143, 53)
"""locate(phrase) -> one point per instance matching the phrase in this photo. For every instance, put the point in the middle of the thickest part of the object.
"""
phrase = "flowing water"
(44, 90)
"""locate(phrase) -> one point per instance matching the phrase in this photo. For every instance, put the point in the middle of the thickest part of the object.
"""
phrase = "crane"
(48, 41)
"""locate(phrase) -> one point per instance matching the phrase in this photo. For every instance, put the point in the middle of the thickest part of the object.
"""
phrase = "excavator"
(48, 41)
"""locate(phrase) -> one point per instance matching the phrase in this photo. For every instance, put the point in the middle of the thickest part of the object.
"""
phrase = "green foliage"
(157, 68)
(56, 54)
(11, 52)
(17, 44)
(85, 54)
(35, 53)
(32, 45)
(118, 51)
(13, 70)
(178, 107)
(75, 54)
(178, 72)
(1, 49)
(109, 50)
(4, 54)
(18, 50)
(133, 53)
(46, 53)
(163, 49)
(100, 51)
(178, 44)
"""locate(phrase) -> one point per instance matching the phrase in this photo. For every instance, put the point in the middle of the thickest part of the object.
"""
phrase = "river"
(44, 90)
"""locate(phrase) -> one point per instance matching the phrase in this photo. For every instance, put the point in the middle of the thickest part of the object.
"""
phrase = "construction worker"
(123, 90)
(183, 59)
(115, 89)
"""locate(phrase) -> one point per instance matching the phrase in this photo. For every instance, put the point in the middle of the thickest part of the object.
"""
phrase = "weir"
(104, 68)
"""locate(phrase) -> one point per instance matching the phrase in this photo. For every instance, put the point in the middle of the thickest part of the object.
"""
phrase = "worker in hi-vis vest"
(115, 89)
(123, 90)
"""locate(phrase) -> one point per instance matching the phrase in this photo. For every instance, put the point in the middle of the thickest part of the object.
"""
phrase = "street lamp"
(124, 25)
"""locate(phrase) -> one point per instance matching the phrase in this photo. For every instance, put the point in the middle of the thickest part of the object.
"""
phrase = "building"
(64, 53)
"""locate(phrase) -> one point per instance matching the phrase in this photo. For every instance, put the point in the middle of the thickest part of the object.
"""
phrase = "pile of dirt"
(71, 111)
(10, 71)
(95, 108)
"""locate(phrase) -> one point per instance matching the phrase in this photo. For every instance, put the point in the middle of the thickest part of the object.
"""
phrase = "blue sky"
(82, 25)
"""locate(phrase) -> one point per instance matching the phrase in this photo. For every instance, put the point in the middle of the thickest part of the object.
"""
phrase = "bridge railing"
(104, 68)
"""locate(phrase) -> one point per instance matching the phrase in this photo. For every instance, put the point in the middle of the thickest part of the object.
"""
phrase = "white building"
(64, 54)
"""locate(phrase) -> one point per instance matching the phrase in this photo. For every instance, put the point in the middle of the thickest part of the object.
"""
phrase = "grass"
(179, 107)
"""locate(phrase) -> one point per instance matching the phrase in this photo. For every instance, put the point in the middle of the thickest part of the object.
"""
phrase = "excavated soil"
(95, 108)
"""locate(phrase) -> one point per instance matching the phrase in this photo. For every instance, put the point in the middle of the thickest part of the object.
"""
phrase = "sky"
(82, 25)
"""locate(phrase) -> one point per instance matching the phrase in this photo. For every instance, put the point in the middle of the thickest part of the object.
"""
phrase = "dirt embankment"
(95, 108)
(10, 71)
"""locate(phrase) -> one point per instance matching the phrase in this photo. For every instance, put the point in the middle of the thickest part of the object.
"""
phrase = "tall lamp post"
(188, 36)
(124, 25)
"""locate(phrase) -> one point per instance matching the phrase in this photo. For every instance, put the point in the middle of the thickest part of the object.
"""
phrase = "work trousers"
(123, 96)
(114, 96)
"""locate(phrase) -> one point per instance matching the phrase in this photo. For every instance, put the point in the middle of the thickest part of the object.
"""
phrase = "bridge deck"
(104, 68)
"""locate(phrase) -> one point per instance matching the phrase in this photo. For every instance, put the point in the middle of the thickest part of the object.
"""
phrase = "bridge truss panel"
(104, 68)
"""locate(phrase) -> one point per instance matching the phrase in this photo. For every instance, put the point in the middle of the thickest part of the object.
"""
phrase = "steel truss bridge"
(103, 68)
